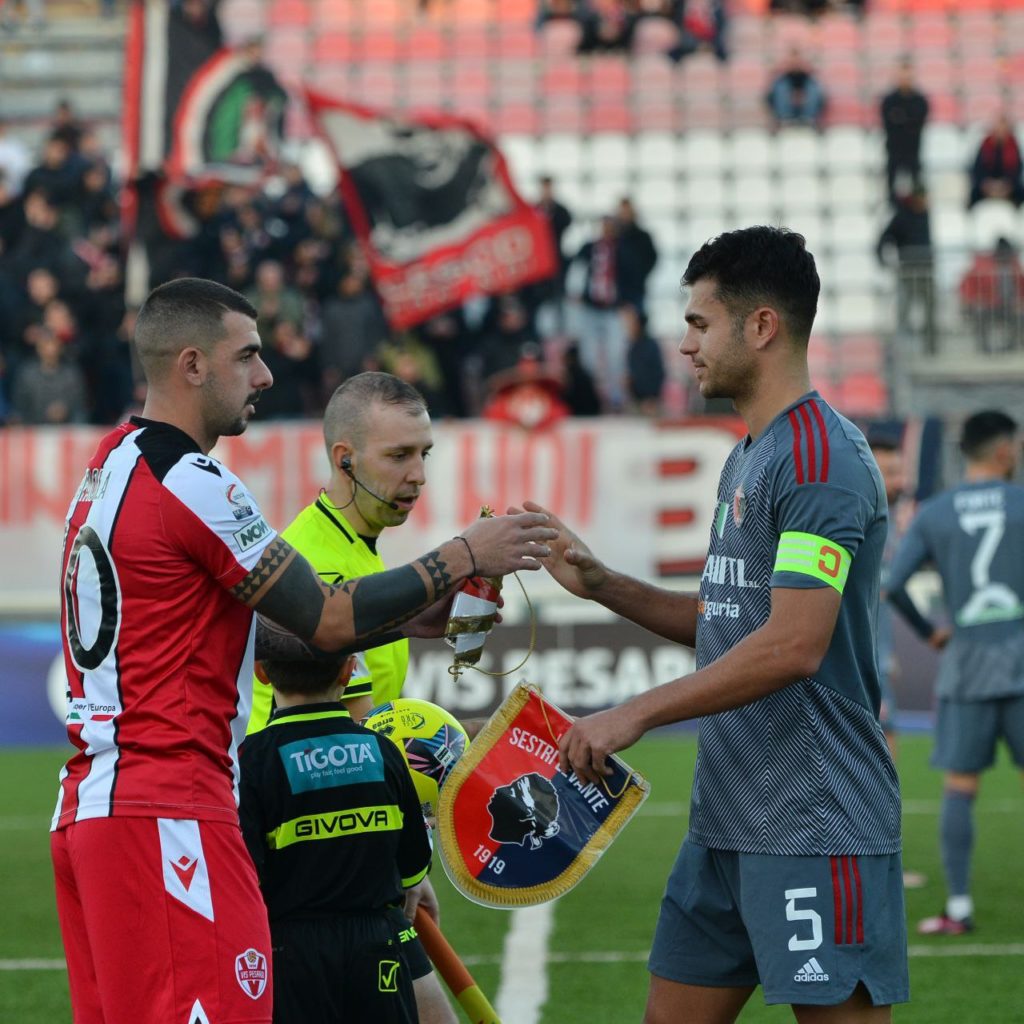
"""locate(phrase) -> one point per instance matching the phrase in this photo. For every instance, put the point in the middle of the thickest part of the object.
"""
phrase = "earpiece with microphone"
(346, 467)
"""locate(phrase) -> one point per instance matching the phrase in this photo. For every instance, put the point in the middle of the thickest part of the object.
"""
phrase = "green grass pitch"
(596, 969)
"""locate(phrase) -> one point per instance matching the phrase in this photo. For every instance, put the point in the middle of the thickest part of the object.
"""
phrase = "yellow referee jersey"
(323, 535)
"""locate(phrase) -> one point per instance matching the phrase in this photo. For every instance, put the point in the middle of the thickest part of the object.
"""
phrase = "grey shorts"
(966, 733)
(807, 929)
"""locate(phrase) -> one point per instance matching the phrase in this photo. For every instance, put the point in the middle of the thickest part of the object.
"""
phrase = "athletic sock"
(956, 830)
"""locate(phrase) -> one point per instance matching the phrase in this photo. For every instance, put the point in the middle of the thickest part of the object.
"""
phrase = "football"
(430, 738)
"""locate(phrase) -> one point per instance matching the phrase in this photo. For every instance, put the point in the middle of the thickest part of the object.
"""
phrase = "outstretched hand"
(504, 544)
(571, 563)
(588, 741)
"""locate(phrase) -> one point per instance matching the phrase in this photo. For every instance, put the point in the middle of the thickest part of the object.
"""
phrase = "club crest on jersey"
(251, 972)
(739, 506)
(241, 507)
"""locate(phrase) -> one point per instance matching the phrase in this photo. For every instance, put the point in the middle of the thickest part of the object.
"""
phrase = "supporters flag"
(430, 198)
(514, 829)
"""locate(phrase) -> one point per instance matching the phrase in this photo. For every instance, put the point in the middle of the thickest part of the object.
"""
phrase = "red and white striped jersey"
(158, 653)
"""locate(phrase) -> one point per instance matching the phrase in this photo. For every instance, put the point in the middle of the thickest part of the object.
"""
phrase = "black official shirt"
(329, 814)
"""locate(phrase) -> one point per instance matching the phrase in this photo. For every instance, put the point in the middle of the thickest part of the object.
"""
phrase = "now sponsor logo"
(251, 534)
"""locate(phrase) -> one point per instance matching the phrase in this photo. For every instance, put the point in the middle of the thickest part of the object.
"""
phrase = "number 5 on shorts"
(792, 914)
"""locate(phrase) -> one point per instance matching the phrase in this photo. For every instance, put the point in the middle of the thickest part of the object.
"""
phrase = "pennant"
(516, 831)
(430, 198)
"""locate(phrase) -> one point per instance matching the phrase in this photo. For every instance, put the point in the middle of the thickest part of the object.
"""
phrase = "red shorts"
(163, 923)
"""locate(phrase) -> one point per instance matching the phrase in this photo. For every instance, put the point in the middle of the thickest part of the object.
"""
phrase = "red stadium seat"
(560, 38)
(379, 45)
(333, 46)
(289, 12)
(517, 41)
(863, 394)
(517, 119)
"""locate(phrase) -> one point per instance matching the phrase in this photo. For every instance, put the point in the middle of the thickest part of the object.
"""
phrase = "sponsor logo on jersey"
(363, 819)
(717, 610)
(241, 503)
(82, 710)
(251, 534)
(94, 485)
(331, 761)
(727, 570)
(811, 971)
(387, 976)
(251, 972)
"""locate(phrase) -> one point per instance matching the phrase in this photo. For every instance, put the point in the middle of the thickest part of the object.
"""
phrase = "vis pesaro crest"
(516, 831)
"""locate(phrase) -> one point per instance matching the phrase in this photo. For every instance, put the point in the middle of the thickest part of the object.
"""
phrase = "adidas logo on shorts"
(811, 971)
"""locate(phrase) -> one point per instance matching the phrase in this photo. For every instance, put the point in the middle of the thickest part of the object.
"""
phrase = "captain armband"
(815, 556)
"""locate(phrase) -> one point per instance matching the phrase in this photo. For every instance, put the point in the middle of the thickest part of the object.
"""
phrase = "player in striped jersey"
(166, 559)
(790, 875)
(972, 534)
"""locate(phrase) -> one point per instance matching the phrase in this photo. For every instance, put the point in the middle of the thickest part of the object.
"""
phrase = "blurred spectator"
(447, 336)
(15, 159)
(904, 112)
(55, 174)
(796, 96)
(996, 173)
(602, 336)
(506, 328)
(41, 243)
(66, 125)
(578, 386)
(353, 325)
(12, 216)
(408, 358)
(909, 233)
(559, 219)
(606, 25)
(291, 358)
(645, 363)
(274, 300)
(33, 13)
(529, 395)
(636, 256)
(701, 23)
(992, 297)
(50, 389)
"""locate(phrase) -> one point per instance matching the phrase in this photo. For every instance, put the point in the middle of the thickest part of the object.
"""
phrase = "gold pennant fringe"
(635, 793)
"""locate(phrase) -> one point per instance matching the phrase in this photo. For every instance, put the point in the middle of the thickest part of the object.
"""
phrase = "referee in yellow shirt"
(378, 436)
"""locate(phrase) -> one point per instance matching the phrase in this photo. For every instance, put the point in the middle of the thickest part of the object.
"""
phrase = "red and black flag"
(430, 198)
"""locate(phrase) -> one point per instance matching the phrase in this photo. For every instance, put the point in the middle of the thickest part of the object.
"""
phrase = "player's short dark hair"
(761, 266)
(981, 429)
(183, 312)
(303, 678)
(345, 415)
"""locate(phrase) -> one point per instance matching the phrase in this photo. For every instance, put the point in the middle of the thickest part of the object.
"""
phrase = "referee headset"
(345, 465)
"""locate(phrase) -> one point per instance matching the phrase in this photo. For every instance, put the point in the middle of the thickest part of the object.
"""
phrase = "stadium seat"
(289, 12)
(655, 152)
(560, 38)
(562, 155)
(524, 159)
(990, 220)
(704, 151)
(862, 394)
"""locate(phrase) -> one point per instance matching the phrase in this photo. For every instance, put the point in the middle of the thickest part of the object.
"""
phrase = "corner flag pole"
(453, 970)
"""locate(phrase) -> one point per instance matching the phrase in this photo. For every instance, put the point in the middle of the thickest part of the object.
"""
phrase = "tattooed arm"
(367, 611)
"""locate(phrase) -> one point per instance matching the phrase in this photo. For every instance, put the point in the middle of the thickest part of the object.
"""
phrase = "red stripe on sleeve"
(849, 898)
(823, 432)
(837, 899)
(795, 424)
(812, 469)
(860, 901)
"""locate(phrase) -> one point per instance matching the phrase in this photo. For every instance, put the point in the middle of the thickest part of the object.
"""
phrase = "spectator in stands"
(448, 337)
(505, 330)
(42, 243)
(292, 359)
(909, 233)
(56, 174)
(15, 160)
(578, 389)
(904, 112)
(997, 172)
(33, 13)
(602, 336)
(636, 256)
(67, 126)
(353, 325)
(700, 23)
(607, 25)
(50, 389)
(530, 395)
(795, 95)
(992, 297)
(274, 299)
(12, 215)
(645, 363)
(551, 293)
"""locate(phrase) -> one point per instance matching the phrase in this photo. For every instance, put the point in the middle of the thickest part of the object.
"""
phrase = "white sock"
(959, 907)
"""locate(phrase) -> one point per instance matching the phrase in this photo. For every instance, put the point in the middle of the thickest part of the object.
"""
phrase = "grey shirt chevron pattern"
(974, 536)
(804, 771)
